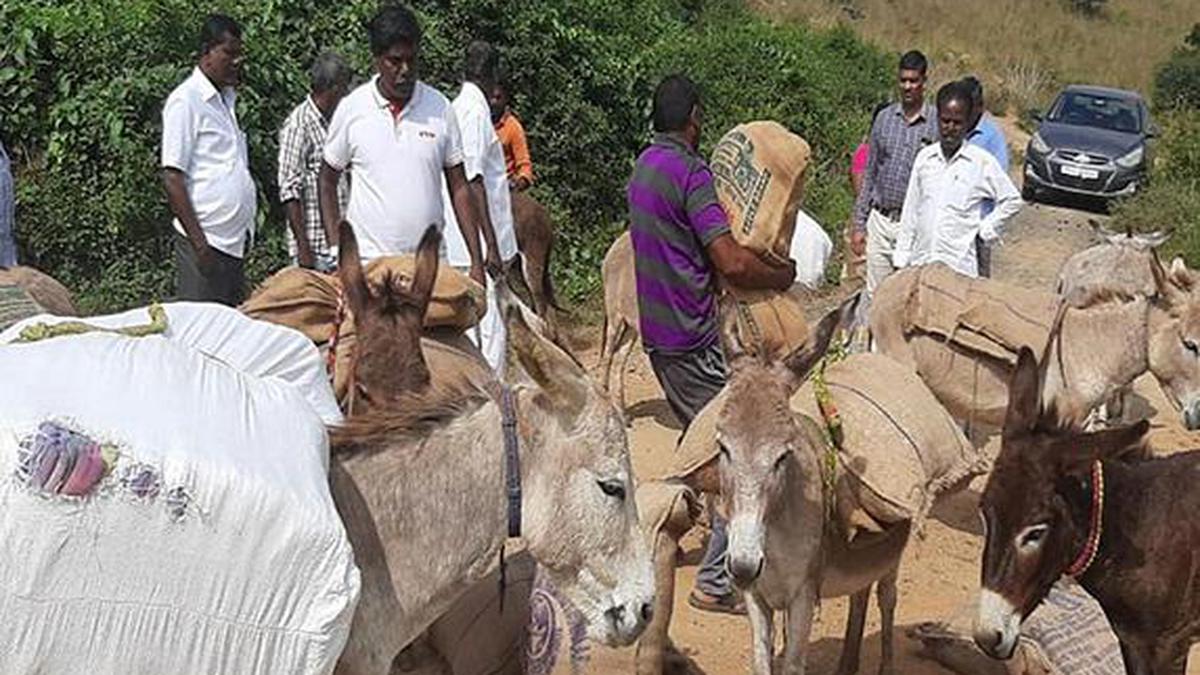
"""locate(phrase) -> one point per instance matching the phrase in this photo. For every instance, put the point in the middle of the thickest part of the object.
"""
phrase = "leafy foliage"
(1173, 199)
(82, 84)
(1177, 83)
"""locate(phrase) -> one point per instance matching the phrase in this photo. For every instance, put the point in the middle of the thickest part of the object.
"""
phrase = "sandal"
(726, 604)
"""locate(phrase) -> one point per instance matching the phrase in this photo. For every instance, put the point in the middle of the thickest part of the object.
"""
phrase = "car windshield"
(1094, 110)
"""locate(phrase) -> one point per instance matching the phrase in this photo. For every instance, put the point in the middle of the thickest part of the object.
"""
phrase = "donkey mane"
(412, 415)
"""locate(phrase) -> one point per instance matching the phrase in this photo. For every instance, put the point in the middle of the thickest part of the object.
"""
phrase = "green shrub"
(82, 84)
(1172, 201)
(1177, 83)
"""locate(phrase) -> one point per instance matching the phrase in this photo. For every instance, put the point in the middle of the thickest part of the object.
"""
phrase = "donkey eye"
(612, 488)
(779, 463)
(1190, 345)
(1032, 537)
(724, 451)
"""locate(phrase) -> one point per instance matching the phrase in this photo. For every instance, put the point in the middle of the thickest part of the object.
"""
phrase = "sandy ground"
(939, 573)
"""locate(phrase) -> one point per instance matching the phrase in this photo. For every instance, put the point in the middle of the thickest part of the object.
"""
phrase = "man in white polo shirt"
(487, 174)
(398, 137)
(206, 171)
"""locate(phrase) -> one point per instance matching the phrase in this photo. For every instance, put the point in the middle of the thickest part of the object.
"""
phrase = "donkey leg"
(654, 644)
(628, 339)
(762, 633)
(613, 331)
(852, 643)
(885, 592)
(1171, 658)
(799, 627)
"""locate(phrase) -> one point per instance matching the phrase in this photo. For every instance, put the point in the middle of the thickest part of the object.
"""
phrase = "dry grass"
(1023, 49)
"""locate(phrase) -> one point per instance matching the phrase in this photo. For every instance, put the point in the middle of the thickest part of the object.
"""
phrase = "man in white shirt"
(487, 174)
(399, 138)
(206, 171)
(951, 182)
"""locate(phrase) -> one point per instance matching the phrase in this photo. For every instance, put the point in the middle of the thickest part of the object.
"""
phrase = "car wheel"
(1028, 192)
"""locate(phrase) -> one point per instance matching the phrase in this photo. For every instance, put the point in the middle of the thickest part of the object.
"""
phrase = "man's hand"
(518, 183)
(858, 241)
(477, 275)
(493, 264)
(206, 258)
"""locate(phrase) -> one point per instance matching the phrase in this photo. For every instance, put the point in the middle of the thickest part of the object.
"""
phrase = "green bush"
(1172, 200)
(82, 84)
(1177, 83)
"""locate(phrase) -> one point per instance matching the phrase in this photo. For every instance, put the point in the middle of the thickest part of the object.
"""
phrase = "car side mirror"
(1036, 115)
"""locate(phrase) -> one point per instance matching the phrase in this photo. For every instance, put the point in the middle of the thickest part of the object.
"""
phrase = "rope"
(44, 331)
(833, 425)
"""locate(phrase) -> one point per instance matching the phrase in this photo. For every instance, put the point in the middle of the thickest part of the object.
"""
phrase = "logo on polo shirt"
(426, 134)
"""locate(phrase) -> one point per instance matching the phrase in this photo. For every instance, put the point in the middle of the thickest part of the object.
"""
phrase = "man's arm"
(1006, 197)
(744, 269)
(327, 199)
(486, 229)
(175, 183)
(463, 202)
(291, 180)
(522, 162)
(909, 215)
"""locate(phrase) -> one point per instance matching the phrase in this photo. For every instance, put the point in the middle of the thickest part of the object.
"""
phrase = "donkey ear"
(802, 360)
(731, 339)
(565, 384)
(425, 272)
(1024, 395)
(350, 270)
(1179, 274)
(1077, 454)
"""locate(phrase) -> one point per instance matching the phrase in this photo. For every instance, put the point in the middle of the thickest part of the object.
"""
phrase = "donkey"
(620, 313)
(420, 481)
(783, 552)
(1061, 501)
(535, 239)
(1107, 342)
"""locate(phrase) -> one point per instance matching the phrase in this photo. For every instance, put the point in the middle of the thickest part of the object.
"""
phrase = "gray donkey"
(782, 551)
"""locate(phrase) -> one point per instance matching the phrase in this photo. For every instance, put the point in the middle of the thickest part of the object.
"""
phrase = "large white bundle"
(236, 563)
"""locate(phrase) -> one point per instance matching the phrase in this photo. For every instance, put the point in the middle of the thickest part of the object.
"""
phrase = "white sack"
(239, 563)
(811, 248)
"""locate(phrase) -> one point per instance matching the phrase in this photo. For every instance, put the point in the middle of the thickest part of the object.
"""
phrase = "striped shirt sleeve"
(704, 212)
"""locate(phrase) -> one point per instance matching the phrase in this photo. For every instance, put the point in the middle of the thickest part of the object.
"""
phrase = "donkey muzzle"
(998, 626)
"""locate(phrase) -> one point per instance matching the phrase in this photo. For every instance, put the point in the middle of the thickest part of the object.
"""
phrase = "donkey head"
(387, 322)
(761, 444)
(1174, 348)
(1035, 507)
(580, 519)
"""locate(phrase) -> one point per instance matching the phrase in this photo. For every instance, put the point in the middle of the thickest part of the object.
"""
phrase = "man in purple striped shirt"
(681, 244)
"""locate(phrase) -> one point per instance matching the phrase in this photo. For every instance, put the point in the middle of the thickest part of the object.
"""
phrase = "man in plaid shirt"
(301, 144)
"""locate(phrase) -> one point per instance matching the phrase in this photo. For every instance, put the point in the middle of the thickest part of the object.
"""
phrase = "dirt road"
(939, 574)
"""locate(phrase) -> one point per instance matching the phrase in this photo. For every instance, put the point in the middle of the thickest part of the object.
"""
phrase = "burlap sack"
(307, 300)
(1067, 634)
(770, 322)
(758, 171)
(979, 315)
(901, 449)
(50, 296)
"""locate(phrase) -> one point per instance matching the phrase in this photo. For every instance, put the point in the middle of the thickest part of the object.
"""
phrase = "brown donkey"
(1061, 501)
(387, 357)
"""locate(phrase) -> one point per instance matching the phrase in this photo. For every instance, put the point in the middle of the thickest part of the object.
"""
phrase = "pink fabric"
(858, 164)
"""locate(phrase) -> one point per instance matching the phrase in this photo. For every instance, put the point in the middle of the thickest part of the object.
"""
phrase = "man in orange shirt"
(512, 137)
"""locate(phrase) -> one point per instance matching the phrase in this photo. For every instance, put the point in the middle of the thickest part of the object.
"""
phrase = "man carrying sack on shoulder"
(682, 242)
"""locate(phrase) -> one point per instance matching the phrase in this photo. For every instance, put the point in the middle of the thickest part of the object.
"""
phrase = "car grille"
(1080, 157)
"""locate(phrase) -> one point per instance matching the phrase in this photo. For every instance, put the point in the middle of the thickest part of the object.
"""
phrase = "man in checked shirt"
(897, 134)
(301, 144)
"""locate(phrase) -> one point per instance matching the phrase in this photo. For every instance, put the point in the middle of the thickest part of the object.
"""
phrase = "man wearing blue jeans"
(8, 245)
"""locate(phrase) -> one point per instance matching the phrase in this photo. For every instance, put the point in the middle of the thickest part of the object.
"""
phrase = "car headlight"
(1038, 145)
(1133, 158)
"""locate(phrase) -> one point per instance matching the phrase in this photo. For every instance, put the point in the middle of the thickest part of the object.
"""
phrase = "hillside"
(1023, 48)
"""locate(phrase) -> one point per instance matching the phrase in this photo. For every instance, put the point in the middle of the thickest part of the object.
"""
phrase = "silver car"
(1094, 141)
